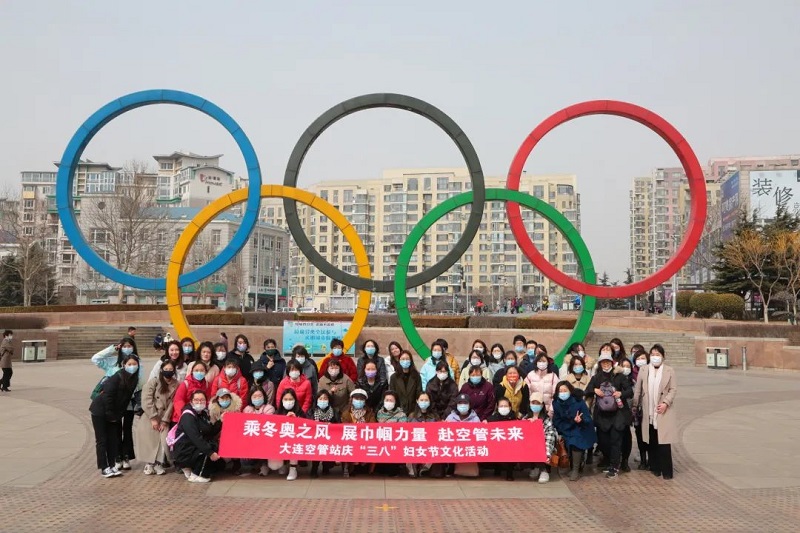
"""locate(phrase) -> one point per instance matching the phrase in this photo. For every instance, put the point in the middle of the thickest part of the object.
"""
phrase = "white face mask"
(442, 375)
(389, 406)
(475, 362)
(497, 355)
(542, 365)
(641, 362)
(626, 371)
(504, 410)
(656, 360)
(333, 372)
(294, 374)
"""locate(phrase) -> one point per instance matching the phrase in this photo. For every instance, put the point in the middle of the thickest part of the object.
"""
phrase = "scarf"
(323, 415)
(359, 415)
(653, 388)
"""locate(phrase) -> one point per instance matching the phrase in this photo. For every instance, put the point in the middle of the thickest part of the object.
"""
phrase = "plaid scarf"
(323, 415)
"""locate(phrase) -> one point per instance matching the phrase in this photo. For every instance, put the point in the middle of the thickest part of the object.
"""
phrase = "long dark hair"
(163, 384)
(120, 357)
(297, 408)
(413, 368)
(181, 358)
(130, 379)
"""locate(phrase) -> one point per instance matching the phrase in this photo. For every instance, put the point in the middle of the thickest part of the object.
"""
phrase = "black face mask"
(168, 374)
(272, 352)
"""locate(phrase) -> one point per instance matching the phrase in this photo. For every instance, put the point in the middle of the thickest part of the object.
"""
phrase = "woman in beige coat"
(655, 396)
(154, 424)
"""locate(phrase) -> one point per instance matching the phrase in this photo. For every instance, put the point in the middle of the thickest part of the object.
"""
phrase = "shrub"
(326, 317)
(756, 330)
(545, 322)
(382, 320)
(267, 319)
(97, 308)
(22, 322)
(436, 321)
(491, 322)
(683, 305)
(731, 306)
(215, 319)
(704, 304)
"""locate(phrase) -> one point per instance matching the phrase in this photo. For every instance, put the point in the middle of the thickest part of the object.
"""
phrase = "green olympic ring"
(574, 239)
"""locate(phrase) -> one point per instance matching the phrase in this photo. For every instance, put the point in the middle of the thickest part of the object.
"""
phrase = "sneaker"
(197, 479)
(292, 474)
(263, 471)
(148, 470)
(612, 473)
(606, 469)
(411, 472)
(535, 472)
(126, 465)
(345, 471)
(544, 477)
(116, 471)
(117, 465)
(108, 472)
(159, 469)
(187, 472)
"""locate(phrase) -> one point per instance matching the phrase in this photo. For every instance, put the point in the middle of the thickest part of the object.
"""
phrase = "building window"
(442, 183)
(165, 166)
(216, 237)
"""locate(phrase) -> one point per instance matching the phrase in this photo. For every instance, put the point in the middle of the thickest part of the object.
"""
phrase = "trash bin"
(722, 358)
(34, 351)
(717, 357)
(711, 358)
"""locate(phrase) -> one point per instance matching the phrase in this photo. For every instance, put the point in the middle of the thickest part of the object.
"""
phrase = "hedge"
(22, 322)
(97, 308)
(215, 319)
(253, 318)
(756, 330)
(683, 305)
(731, 306)
(383, 320)
(704, 304)
(436, 321)
(545, 322)
(491, 322)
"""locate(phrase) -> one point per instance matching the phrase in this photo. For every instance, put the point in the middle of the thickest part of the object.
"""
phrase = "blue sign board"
(315, 336)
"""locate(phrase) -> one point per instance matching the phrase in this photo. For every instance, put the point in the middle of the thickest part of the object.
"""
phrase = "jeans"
(106, 439)
(660, 455)
(610, 443)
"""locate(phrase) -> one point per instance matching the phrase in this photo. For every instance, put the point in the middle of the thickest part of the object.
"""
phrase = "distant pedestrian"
(6, 355)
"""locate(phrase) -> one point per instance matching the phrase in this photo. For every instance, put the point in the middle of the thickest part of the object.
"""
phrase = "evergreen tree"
(728, 278)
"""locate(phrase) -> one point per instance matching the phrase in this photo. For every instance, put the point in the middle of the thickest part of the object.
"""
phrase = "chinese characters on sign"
(774, 189)
(278, 437)
(315, 336)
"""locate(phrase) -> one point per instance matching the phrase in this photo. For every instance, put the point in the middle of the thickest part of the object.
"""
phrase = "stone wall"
(761, 352)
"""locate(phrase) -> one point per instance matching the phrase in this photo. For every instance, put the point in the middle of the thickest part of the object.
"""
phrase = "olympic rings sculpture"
(175, 278)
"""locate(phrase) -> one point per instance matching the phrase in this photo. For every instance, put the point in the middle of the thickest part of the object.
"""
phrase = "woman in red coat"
(196, 381)
(296, 380)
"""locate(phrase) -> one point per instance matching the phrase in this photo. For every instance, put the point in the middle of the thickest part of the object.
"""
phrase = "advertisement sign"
(315, 336)
(772, 188)
(281, 437)
(730, 205)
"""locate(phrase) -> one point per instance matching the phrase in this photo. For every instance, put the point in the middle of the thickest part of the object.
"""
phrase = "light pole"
(674, 284)
(277, 275)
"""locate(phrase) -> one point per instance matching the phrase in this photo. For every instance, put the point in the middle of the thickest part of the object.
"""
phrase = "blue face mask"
(436, 355)
(564, 396)
(257, 402)
(531, 352)
(132, 369)
(322, 404)
(510, 362)
(199, 375)
(536, 408)
(405, 363)
(423, 404)
(369, 350)
(336, 352)
(224, 403)
(258, 375)
(577, 369)
(519, 349)
(187, 350)
(475, 379)
(462, 408)
(127, 350)
(358, 404)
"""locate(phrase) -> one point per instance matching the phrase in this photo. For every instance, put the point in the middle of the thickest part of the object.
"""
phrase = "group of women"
(587, 401)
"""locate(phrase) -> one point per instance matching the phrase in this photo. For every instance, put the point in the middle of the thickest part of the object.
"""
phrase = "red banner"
(252, 436)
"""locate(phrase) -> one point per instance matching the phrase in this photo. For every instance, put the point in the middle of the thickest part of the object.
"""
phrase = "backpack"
(98, 389)
(607, 403)
(172, 435)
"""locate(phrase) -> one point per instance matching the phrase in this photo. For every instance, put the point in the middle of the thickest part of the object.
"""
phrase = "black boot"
(644, 465)
(314, 469)
(624, 467)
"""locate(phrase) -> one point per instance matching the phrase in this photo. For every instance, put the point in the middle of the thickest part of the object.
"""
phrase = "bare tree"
(201, 251)
(24, 221)
(786, 247)
(236, 281)
(123, 223)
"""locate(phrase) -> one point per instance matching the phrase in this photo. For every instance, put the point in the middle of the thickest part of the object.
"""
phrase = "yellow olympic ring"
(187, 238)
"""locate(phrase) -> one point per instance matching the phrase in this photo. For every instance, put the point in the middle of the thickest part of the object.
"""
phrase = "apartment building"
(384, 211)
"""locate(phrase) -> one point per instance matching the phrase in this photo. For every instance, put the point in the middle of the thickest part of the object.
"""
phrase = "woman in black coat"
(195, 450)
(442, 392)
(108, 410)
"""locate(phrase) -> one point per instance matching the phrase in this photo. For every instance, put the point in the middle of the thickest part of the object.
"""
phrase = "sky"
(723, 72)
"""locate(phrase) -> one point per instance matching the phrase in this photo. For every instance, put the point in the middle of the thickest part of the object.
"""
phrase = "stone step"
(81, 342)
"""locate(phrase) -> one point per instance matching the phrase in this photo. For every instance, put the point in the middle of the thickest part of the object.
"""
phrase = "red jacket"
(348, 366)
(302, 388)
(183, 395)
(237, 384)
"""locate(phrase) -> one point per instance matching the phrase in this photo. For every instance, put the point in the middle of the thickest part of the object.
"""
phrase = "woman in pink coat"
(296, 380)
(540, 379)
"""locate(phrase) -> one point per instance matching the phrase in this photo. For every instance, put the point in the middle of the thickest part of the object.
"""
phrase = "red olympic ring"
(689, 162)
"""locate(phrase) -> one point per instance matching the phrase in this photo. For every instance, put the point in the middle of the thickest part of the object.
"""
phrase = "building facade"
(384, 211)
(192, 180)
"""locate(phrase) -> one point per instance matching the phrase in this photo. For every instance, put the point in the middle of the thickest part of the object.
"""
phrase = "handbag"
(560, 459)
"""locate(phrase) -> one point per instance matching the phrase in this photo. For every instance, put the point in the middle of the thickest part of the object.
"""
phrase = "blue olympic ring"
(85, 133)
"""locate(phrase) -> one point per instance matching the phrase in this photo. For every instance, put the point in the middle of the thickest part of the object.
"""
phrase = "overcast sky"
(725, 73)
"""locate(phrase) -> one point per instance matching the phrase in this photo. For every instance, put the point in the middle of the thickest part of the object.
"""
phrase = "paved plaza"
(735, 470)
